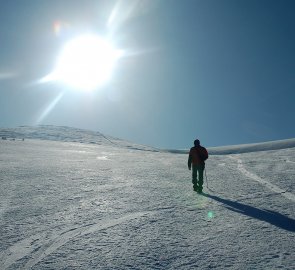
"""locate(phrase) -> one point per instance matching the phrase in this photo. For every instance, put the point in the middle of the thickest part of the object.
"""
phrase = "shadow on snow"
(269, 216)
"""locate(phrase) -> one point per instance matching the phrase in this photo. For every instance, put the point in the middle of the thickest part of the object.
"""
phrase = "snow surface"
(81, 200)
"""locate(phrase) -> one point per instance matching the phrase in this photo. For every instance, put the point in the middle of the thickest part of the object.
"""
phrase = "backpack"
(203, 154)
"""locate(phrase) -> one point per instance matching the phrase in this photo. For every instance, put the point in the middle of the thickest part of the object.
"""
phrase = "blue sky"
(218, 70)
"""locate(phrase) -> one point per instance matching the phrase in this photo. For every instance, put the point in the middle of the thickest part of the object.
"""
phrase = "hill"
(69, 134)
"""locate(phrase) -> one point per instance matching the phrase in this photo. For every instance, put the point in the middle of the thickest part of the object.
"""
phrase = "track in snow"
(39, 246)
(262, 181)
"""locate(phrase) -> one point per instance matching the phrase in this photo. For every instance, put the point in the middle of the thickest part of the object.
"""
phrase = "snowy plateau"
(76, 199)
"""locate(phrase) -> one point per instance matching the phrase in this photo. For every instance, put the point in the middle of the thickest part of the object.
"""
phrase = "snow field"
(69, 205)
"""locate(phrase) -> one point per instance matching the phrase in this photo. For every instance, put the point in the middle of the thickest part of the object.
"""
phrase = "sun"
(85, 63)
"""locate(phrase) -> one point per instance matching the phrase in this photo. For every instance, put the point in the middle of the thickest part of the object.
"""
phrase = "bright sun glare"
(85, 63)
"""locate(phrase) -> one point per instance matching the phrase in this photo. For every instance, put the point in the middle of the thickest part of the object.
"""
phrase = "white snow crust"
(74, 199)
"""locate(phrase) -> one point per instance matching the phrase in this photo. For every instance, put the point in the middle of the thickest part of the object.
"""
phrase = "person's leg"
(195, 178)
(200, 178)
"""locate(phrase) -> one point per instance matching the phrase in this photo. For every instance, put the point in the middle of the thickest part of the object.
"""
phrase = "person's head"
(197, 142)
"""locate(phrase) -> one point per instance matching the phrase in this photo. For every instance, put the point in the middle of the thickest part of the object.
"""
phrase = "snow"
(74, 199)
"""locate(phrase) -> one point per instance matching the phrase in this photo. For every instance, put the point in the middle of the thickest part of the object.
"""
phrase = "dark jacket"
(197, 156)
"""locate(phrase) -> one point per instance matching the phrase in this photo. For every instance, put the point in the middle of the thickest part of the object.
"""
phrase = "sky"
(221, 71)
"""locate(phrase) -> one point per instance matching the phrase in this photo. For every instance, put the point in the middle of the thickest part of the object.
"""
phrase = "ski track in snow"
(290, 161)
(262, 181)
(38, 247)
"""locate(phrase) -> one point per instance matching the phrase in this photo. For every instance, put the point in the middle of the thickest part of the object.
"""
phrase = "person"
(196, 160)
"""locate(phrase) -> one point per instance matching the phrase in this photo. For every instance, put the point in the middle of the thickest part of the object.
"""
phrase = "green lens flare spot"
(210, 214)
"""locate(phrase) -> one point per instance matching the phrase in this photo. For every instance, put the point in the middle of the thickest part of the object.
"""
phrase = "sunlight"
(85, 63)
(49, 108)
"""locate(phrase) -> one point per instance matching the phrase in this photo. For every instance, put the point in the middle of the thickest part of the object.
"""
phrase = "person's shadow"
(269, 216)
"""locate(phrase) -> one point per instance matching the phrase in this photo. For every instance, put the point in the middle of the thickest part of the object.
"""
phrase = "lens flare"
(59, 27)
(49, 108)
(210, 215)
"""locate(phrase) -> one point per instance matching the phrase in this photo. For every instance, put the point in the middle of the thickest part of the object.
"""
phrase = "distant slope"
(69, 134)
(254, 147)
(246, 148)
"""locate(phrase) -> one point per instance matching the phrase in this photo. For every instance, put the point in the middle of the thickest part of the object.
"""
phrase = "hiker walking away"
(197, 156)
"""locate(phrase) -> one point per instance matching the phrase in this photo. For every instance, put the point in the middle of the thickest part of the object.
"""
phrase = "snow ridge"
(69, 134)
(244, 148)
